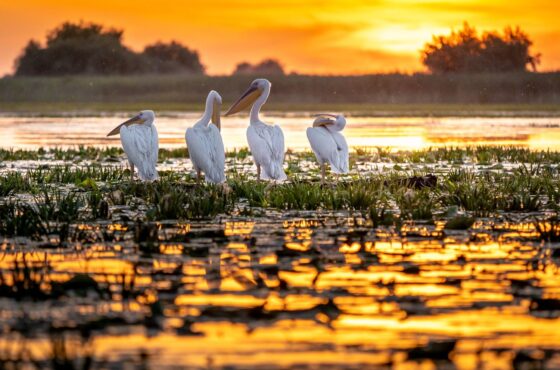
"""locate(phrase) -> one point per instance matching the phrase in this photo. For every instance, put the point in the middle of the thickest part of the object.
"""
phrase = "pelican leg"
(323, 172)
(258, 172)
(131, 172)
(198, 175)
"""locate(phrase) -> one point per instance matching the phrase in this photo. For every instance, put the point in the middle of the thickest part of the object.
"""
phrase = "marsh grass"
(382, 91)
(14, 182)
(82, 175)
(60, 195)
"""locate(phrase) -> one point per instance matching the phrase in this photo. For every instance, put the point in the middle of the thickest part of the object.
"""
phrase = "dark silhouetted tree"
(172, 57)
(88, 48)
(79, 48)
(266, 67)
(464, 51)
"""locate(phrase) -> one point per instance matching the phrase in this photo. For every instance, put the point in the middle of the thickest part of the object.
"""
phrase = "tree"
(465, 51)
(78, 48)
(89, 48)
(266, 67)
(172, 57)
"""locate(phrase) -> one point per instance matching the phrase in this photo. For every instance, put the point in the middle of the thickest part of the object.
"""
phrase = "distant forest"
(91, 49)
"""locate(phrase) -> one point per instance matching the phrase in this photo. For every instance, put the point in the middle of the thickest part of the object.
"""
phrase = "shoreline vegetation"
(476, 182)
(486, 94)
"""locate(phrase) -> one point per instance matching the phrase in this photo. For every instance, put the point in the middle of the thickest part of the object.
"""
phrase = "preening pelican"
(204, 142)
(139, 139)
(266, 141)
(328, 144)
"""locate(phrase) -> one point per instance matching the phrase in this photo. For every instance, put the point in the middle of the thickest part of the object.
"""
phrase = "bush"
(267, 67)
(172, 57)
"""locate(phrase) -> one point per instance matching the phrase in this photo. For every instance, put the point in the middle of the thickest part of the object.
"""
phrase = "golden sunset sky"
(316, 37)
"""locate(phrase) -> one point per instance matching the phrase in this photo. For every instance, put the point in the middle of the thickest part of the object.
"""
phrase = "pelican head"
(255, 91)
(145, 116)
(332, 122)
(214, 100)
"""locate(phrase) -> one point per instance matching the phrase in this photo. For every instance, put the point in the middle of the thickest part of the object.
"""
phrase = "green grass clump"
(477, 195)
(417, 204)
(20, 154)
(252, 191)
(462, 222)
(14, 182)
(176, 201)
(52, 212)
(76, 175)
(20, 219)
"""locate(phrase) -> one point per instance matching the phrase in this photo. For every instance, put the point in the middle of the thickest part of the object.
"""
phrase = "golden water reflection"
(259, 294)
(394, 132)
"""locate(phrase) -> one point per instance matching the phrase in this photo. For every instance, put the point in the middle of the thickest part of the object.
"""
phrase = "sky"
(338, 37)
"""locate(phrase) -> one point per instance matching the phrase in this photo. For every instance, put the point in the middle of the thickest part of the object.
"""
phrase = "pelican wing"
(140, 143)
(267, 147)
(277, 139)
(341, 164)
(206, 150)
(154, 146)
(329, 147)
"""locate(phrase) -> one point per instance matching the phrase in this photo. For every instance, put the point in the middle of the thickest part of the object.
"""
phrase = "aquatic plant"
(14, 182)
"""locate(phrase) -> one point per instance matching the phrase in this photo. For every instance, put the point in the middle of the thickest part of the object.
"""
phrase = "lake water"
(266, 288)
(394, 132)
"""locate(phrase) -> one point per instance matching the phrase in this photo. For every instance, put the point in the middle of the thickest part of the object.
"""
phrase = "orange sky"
(316, 36)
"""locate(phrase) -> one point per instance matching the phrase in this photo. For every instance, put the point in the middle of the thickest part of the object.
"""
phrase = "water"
(274, 292)
(394, 132)
(278, 290)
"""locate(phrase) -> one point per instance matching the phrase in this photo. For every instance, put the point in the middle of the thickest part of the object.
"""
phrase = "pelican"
(139, 139)
(204, 142)
(328, 144)
(266, 141)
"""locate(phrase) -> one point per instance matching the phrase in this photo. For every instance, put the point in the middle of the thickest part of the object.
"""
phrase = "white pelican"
(204, 142)
(139, 139)
(266, 141)
(328, 144)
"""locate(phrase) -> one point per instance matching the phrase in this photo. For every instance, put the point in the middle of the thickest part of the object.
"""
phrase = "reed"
(423, 94)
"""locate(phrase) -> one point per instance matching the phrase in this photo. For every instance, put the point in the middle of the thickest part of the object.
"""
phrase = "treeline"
(78, 48)
(290, 89)
(89, 48)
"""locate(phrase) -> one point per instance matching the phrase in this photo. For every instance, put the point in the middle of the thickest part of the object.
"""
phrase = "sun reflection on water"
(307, 290)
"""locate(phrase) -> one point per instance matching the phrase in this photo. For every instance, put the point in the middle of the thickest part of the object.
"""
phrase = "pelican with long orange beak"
(139, 138)
(328, 143)
(266, 141)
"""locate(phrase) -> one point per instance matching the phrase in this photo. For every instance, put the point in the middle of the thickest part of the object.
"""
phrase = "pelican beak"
(323, 119)
(325, 114)
(245, 100)
(132, 121)
(216, 107)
